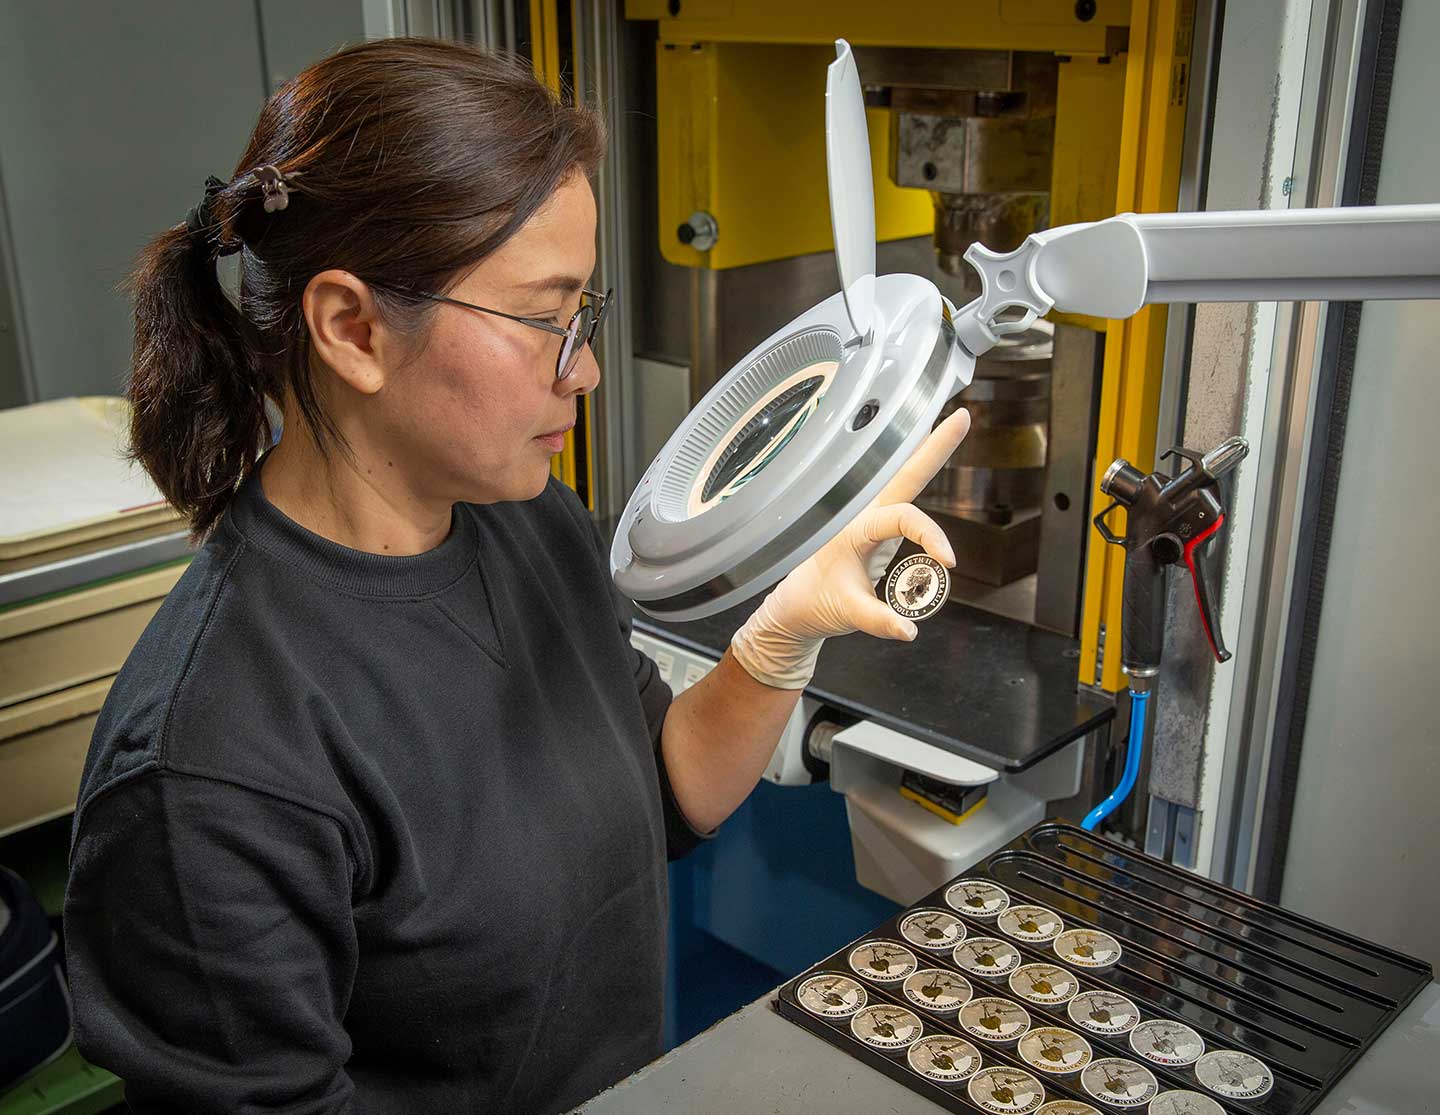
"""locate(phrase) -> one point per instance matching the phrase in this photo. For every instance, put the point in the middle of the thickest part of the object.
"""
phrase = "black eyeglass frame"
(569, 348)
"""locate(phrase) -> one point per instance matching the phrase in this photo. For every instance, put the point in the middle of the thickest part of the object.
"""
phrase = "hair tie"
(199, 218)
(201, 222)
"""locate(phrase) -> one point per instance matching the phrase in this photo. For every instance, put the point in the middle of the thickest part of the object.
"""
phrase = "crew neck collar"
(260, 522)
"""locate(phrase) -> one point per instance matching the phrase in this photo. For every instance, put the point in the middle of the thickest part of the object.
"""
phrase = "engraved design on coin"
(1184, 1103)
(994, 1019)
(1055, 1049)
(977, 898)
(941, 1057)
(1006, 1091)
(1068, 1107)
(883, 961)
(831, 996)
(882, 1026)
(1166, 1042)
(1030, 923)
(938, 990)
(918, 587)
(1119, 1082)
(987, 956)
(1087, 948)
(1235, 1075)
(1103, 1012)
(1044, 983)
(932, 929)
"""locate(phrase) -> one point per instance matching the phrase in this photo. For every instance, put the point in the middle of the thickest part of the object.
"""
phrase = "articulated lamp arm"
(1111, 268)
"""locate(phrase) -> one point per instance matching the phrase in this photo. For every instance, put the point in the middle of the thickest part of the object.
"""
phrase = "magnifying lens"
(805, 430)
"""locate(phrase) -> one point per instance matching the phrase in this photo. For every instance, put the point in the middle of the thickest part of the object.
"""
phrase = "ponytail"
(196, 391)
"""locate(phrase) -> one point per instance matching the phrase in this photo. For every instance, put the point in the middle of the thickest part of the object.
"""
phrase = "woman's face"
(478, 413)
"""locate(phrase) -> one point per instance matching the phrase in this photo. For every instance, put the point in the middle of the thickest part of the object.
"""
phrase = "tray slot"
(1187, 948)
(1379, 964)
(1113, 887)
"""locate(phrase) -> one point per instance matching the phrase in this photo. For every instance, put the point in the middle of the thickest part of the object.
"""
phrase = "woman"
(376, 815)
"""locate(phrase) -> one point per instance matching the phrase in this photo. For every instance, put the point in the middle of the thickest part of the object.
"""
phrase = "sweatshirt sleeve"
(681, 838)
(211, 948)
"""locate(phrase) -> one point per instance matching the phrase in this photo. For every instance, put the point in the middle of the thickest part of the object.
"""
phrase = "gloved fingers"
(880, 559)
(881, 523)
(926, 461)
(875, 617)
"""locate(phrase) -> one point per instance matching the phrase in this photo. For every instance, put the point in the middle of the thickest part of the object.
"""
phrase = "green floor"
(68, 1085)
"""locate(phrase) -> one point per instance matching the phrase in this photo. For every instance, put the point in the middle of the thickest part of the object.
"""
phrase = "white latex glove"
(833, 591)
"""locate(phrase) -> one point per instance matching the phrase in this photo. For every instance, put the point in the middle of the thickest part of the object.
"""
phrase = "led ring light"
(808, 427)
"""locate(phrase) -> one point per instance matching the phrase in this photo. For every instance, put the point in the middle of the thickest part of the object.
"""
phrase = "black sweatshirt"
(377, 834)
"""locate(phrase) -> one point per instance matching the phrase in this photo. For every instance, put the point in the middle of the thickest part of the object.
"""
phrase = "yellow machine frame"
(545, 56)
(1157, 86)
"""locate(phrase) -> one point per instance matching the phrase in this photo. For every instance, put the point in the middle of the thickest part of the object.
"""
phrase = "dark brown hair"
(410, 160)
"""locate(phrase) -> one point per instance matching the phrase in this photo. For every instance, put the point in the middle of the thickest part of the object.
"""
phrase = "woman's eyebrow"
(563, 284)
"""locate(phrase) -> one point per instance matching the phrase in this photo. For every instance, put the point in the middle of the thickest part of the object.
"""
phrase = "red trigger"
(1190, 548)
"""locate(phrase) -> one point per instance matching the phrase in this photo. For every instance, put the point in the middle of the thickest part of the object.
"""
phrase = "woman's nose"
(584, 377)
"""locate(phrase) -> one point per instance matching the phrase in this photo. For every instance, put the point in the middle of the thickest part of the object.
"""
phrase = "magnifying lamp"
(796, 439)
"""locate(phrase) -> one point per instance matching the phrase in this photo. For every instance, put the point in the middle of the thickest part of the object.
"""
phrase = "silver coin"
(938, 989)
(882, 1026)
(1103, 1012)
(932, 929)
(1087, 948)
(1167, 1043)
(831, 995)
(883, 961)
(1043, 983)
(986, 956)
(1068, 1107)
(1184, 1103)
(917, 587)
(977, 898)
(1055, 1049)
(1005, 1091)
(994, 1019)
(1119, 1083)
(1235, 1075)
(944, 1058)
(1030, 923)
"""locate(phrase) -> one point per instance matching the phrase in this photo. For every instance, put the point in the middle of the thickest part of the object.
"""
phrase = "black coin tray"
(1305, 999)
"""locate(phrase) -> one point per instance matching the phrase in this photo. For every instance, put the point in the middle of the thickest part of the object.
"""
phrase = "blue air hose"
(1132, 763)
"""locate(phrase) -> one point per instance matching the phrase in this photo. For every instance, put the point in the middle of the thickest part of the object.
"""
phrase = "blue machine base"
(771, 894)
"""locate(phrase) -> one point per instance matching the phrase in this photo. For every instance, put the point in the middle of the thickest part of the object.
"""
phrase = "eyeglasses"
(582, 330)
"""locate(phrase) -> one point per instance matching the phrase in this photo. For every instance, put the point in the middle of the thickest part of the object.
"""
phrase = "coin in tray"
(883, 961)
(986, 956)
(943, 1058)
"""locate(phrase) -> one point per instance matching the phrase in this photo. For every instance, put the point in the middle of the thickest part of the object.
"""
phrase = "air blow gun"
(1168, 520)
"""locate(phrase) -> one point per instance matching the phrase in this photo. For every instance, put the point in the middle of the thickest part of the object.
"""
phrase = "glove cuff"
(773, 656)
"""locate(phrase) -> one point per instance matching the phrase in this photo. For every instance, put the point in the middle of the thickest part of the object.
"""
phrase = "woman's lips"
(555, 442)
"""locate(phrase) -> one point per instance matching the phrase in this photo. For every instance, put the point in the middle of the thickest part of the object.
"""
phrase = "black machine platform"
(980, 685)
(1275, 1007)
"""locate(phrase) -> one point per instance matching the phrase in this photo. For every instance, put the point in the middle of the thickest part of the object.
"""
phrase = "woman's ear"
(345, 329)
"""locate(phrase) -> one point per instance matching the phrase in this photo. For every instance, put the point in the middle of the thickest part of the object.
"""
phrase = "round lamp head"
(805, 430)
